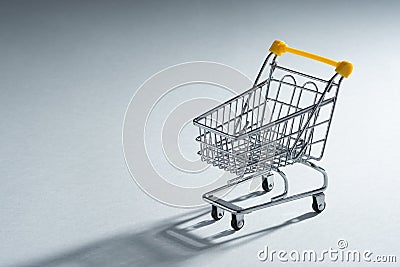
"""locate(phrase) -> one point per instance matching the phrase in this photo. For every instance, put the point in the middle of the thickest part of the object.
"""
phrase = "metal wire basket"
(282, 120)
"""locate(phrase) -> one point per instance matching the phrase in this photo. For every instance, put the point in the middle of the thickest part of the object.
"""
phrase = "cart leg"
(320, 170)
(216, 212)
(237, 221)
(286, 183)
(317, 194)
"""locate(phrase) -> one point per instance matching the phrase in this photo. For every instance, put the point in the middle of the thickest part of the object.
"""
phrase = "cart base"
(219, 205)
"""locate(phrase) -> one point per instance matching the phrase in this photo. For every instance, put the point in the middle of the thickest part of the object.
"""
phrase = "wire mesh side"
(241, 114)
(236, 156)
(278, 122)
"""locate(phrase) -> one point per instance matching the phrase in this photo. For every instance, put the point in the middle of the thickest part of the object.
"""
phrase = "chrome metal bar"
(297, 86)
(286, 185)
(330, 118)
(241, 137)
(304, 74)
(228, 206)
(314, 110)
(293, 197)
(262, 69)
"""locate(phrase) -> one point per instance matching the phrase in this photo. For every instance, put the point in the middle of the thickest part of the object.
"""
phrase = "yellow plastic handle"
(344, 68)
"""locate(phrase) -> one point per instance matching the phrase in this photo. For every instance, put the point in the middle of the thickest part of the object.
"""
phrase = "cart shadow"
(160, 244)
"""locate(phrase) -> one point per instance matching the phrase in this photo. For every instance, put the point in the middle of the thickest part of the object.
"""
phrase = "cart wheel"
(237, 223)
(319, 203)
(216, 213)
(268, 183)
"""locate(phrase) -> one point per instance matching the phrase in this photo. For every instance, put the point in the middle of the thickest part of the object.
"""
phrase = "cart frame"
(244, 137)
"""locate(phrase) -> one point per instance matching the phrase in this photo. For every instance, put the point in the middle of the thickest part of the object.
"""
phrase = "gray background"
(67, 72)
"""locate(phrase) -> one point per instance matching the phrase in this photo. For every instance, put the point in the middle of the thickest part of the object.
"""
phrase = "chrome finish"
(286, 183)
(282, 120)
(279, 199)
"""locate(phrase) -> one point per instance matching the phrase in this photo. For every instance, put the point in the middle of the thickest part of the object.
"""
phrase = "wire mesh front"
(237, 156)
(282, 120)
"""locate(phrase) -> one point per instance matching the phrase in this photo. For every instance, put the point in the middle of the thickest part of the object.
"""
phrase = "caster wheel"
(216, 213)
(268, 183)
(319, 203)
(237, 223)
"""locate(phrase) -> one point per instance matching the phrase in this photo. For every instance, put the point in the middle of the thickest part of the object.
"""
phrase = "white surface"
(67, 73)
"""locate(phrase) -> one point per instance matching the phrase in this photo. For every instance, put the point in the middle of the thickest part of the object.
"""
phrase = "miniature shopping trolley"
(282, 120)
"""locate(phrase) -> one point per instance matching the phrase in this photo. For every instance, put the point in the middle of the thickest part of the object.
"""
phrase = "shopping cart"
(282, 120)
